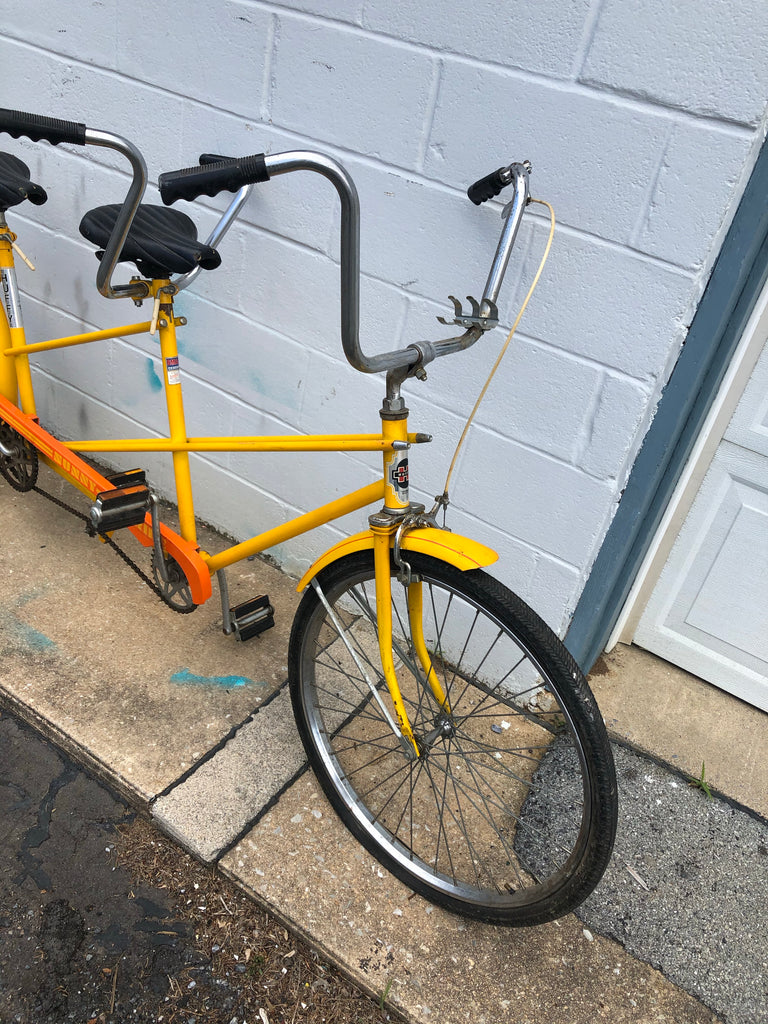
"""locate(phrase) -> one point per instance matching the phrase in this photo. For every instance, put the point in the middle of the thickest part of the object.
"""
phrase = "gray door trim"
(733, 289)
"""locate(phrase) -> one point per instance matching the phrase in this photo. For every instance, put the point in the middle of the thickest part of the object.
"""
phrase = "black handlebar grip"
(209, 180)
(488, 187)
(37, 127)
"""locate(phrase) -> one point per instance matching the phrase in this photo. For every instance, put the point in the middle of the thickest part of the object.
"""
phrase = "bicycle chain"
(116, 548)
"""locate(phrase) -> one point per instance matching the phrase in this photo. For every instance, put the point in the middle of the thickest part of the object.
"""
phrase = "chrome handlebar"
(401, 362)
(418, 354)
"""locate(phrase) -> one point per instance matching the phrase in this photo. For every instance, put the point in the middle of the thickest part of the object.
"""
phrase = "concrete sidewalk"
(197, 730)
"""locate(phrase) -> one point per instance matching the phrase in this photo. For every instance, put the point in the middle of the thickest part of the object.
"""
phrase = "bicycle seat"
(160, 242)
(15, 184)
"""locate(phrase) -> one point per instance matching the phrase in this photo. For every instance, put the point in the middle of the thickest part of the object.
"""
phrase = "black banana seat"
(160, 242)
(15, 184)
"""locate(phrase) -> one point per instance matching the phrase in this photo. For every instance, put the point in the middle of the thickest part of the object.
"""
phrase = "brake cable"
(443, 499)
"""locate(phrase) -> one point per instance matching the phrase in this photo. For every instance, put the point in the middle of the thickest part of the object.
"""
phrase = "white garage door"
(709, 610)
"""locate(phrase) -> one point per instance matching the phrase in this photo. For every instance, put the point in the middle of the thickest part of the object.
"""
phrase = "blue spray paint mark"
(33, 639)
(23, 636)
(187, 678)
(155, 383)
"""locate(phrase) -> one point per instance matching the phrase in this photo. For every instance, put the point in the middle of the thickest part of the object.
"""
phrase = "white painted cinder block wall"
(642, 121)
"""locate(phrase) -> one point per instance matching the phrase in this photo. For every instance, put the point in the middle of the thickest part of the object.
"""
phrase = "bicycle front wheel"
(508, 813)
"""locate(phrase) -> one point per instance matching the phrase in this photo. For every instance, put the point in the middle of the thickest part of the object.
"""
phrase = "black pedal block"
(130, 478)
(120, 507)
(252, 617)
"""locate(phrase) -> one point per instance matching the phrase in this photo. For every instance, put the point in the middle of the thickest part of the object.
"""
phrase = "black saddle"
(15, 184)
(160, 242)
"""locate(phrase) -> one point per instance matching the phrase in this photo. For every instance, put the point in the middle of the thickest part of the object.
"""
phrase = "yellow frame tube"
(15, 376)
(416, 620)
(79, 339)
(381, 562)
(295, 527)
(266, 443)
(177, 427)
(9, 387)
(393, 430)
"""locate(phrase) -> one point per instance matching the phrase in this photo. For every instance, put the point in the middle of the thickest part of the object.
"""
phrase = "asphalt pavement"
(77, 935)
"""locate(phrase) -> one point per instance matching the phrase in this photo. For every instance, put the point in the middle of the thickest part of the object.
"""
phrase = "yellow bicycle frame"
(198, 565)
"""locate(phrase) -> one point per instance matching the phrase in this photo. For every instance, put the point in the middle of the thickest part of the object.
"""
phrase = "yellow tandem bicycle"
(448, 725)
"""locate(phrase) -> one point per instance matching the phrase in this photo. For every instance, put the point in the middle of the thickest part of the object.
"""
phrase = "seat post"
(164, 291)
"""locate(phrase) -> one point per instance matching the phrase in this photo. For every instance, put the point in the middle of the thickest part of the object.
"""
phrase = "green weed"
(700, 783)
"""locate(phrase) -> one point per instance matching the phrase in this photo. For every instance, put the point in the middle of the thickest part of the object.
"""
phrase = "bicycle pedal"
(252, 617)
(129, 478)
(121, 507)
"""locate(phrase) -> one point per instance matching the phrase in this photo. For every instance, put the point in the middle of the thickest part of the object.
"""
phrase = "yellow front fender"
(449, 547)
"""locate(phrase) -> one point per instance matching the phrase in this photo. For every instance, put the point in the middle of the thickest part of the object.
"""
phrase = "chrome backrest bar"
(125, 216)
(225, 223)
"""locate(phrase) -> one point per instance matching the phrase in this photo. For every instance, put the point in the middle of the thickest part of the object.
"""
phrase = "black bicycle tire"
(588, 861)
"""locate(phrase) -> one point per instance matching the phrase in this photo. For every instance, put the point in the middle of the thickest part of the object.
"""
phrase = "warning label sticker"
(172, 370)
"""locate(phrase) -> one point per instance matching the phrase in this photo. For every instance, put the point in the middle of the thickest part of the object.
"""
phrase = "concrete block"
(337, 10)
(335, 398)
(382, 316)
(362, 93)
(542, 398)
(594, 182)
(685, 215)
(87, 32)
(238, 508)
(65, 281)
(703, 60)
(224, 285)
(303, 480)
(553, 592)
(87, 367)
(111, 102)
(545, 38)
(226, 67)
(453, 382)
(616, 428)
(243, 509)
(75, 184)
(546, 504)
(550, 587)
(138, 392)
(208, 811)
(240, 357)
(281, 273)
(422, 238)
(607, 304)
(299, 206)
(428, 463)
(21, 66)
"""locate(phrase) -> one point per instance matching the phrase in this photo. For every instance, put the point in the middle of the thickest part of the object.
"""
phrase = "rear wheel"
(508, 813)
